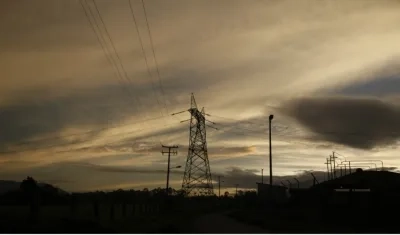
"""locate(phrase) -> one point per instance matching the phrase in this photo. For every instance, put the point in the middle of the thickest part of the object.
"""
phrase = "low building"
(275, 193)
(361, 189)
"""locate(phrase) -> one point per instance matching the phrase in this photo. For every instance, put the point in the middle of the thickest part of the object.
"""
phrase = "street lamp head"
(271, 117)
(178, 166)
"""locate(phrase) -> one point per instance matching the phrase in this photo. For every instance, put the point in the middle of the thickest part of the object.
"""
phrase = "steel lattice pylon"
(197, 176)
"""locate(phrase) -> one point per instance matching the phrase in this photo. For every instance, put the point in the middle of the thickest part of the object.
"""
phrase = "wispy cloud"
(243, 60)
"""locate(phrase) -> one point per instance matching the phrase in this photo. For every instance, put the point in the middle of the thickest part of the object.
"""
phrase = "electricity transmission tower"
(197, 177)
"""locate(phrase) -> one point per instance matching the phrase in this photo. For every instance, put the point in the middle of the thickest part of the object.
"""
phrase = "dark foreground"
(240, 219)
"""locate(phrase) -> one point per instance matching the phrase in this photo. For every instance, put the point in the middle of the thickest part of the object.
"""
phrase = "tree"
(30, 188)
(226, 194)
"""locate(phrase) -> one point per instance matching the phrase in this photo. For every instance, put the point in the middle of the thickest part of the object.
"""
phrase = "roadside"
(221, 223)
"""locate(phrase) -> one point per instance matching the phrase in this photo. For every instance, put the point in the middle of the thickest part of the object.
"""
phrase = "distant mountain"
(9, 185)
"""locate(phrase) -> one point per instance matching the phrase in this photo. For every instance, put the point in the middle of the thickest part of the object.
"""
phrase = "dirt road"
(220, 223)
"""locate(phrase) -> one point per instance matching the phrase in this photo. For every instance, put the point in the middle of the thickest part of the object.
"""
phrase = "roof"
(364, 179)
(268, 185)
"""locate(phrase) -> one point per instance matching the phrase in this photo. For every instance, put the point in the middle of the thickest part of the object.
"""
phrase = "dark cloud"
(362, 123)
(383, 86)
(86, 109)
(25, 118)
(381, 80)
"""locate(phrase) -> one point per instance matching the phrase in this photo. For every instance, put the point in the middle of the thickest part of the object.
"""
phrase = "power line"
(110, 59)
(154, 55)
(94, 30)
(102, 41)
(115, 51)
(144, 56)
(143, 51)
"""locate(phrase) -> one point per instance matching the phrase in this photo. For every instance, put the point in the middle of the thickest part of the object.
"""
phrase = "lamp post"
(219, 185)
(270, 151)
(262, 176)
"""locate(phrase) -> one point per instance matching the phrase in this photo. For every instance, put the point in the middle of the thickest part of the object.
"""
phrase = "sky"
(85, 115)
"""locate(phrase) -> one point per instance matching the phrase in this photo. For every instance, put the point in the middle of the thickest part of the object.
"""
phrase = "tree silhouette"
(30, 188)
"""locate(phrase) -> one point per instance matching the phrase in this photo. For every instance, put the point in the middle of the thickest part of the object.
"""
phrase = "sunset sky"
(329, 71)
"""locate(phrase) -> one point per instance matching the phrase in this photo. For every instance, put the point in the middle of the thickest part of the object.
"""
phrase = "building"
(359, 189)
(275, 193)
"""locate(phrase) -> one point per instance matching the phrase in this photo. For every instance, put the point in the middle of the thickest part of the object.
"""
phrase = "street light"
(169, 168)
(270, 151)
(219, 185)
(175, 167)
(262, 176)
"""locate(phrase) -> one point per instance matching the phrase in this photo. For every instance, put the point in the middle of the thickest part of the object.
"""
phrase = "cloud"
(362, 123)
(96, 108)
(239, 58)
(119, 169)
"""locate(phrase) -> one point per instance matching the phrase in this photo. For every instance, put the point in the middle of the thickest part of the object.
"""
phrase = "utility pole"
(219, 185)
(270, 151)
(262, 176)
(169, 159)
(349, 167)
(236, 185)
(332, 158)
(334, 164)
(327, 168)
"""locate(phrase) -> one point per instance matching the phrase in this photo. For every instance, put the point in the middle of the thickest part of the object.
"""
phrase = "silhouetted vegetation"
(42, 209)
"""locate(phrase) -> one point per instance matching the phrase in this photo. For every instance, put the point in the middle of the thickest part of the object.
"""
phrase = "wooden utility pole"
(236, 185)
(327, 169)
(334, 164)
(169, 159)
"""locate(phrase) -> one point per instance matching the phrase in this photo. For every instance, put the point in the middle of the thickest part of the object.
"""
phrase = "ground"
(221, 223)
